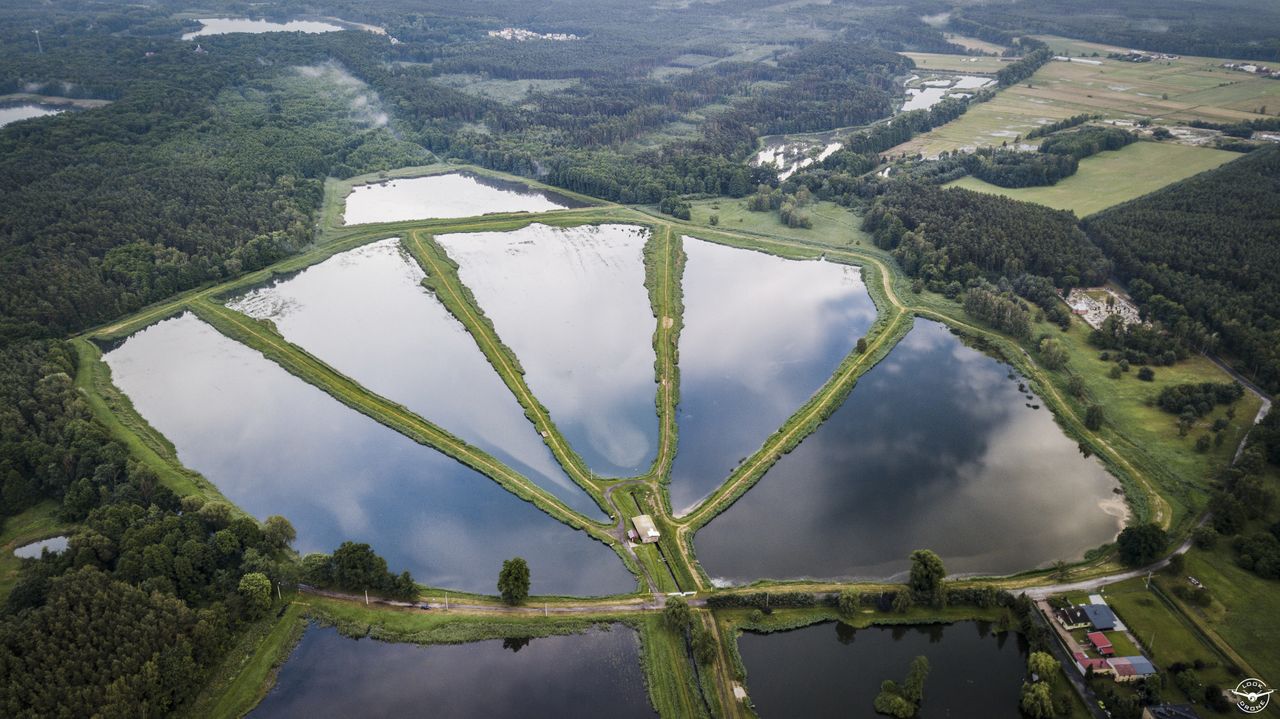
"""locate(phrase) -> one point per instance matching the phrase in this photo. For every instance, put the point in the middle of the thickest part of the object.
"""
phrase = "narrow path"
(515, 380)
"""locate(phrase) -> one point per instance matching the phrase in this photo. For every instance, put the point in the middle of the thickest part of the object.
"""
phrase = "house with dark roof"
(1072, 617)
(1101, 616)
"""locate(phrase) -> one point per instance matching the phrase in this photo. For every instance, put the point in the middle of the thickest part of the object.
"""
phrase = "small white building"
(645, 529)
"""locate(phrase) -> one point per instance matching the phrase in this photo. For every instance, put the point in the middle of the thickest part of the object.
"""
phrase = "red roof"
(1099, 641)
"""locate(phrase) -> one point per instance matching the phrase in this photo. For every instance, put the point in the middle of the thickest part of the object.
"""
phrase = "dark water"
(761, 335)
(365, 312)
(831, 670)
(935, 448)
(451, 194)
(588, 675)
(276, 445)
(571, 304)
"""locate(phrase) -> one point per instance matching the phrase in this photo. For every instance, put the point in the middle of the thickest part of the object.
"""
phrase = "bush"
(1146, 374)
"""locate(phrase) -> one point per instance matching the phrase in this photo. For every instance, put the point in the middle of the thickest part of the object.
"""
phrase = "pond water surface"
(596, 674)
(225, 25)
(25, 111)
(935, 448)
(761, 335)
(55, 545)
(276, 445)
(571, 303)
(453, 194)
(832, 670)
(366, 313)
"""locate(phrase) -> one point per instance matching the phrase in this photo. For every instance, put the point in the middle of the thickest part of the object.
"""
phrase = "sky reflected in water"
(276, 445)
(761, 335)
(935, 448)
(453, 194)
(832, 670)
(366, 313)
(590, 675)
(571, 303)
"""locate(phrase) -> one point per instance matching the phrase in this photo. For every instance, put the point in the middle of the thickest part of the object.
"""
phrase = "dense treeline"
(953, 235)
(1206, 248)
(206, 166)
(1035, 57)
(1087, 141)
(1059, 156)
(1060, 125)
(1231, 28)
(1198, 399)
(1012, 168)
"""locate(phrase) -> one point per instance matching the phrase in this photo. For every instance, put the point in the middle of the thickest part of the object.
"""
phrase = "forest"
(1207, 245)
(1244, 29)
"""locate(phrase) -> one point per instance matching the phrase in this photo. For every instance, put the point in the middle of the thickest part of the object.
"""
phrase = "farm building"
(645, 529)
(1129, 669)
(1101, 644)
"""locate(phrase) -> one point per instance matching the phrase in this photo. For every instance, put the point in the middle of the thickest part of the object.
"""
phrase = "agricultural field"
(956, 63)
(1112, 177)
(1167, 91)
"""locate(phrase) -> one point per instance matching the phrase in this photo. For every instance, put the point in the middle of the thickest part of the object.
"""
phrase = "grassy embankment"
(442, 280)
(1112, 177)
(262, 337)
(248, 670)
(31, 525)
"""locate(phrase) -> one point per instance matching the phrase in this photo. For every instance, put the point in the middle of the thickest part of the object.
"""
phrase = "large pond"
(453, 194)
(274, 444)
(366, 313)
(596, 674)
(55, 545)
(761, 335)
(25, 111)
(225, 25)
(832, 670)
(571, 303)
(938, 447)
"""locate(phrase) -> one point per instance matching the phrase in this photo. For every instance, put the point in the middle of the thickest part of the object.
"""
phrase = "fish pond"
(939, 446)
(55, 545)
(572, 305)
(594, 674)
(447, 195)
(25, 111)
(366, 313)
(833, 670)
(274, 444)
(761, 335)
(226, 25)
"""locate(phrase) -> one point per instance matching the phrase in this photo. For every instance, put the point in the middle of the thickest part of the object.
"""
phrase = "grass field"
(34, 524)
(1110, 178)
(955, 63)
(832, 224)
(1245, 609)
(1169, 91)
(506, 91)
(1166, 637)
